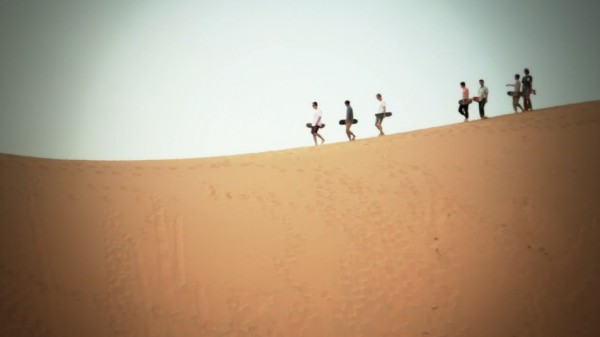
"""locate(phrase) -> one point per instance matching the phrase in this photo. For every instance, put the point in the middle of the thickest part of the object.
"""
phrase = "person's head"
(462, 84)
(315, 105)
(526, 71)
(347, 103)
(481, 82)
(517, 76)
(378, 96)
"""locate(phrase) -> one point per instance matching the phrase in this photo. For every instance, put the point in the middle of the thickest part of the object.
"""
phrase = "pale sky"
(132, 80)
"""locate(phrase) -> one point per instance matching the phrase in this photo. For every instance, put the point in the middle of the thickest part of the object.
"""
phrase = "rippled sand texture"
(487, 228)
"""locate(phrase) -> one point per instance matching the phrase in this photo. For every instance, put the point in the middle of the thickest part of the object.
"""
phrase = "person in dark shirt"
(349, 120)
(527, 84)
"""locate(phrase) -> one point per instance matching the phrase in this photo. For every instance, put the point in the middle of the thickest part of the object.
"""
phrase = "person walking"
(463, 107)
(516, 93)
(380, 115)
(482, 95)
(527, 83)
(349, 121)
(316, 124)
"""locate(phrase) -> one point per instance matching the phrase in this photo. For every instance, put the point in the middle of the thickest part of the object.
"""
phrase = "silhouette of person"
(463, 107)
(316, 124)
(482, 95)
(349, 121)
(516, 93)
(380, 115)
(527, 84)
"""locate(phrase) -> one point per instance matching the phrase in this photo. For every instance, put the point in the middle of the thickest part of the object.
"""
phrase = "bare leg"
(349, 133)
(315, 135)
(380, 128)
(516, 103)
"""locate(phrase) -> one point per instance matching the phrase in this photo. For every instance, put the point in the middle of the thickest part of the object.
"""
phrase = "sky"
(135, 80)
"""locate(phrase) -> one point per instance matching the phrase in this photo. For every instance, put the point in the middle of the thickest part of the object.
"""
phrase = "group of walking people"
(482, 95)
(522, 88)
(318, 117)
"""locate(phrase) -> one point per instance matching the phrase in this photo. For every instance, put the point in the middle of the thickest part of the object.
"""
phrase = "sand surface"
(487, 228)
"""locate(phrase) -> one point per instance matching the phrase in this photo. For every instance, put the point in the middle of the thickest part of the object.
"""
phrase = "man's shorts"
(378, 119)
(315, 129)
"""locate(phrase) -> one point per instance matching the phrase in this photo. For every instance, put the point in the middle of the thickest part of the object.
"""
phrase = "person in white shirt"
(380, 115)
(463, 106)
(482, 95)
(516, 93)
(316, 124)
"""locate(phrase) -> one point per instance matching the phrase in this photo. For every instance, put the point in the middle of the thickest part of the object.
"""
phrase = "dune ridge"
(486, 228)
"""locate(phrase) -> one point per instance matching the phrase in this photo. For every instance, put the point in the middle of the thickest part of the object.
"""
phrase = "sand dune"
(486, 228)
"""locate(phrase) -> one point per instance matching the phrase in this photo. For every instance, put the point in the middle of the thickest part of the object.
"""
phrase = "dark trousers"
(527, 99)
(481, 107)
(463, 109)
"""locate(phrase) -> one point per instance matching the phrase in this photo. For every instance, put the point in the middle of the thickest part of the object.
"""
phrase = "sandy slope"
(489, 228)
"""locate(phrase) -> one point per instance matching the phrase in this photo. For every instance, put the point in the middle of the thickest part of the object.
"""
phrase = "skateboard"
(343, 121)
(512, 93)
(469, 101)
(309, 125)
(387, 114)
